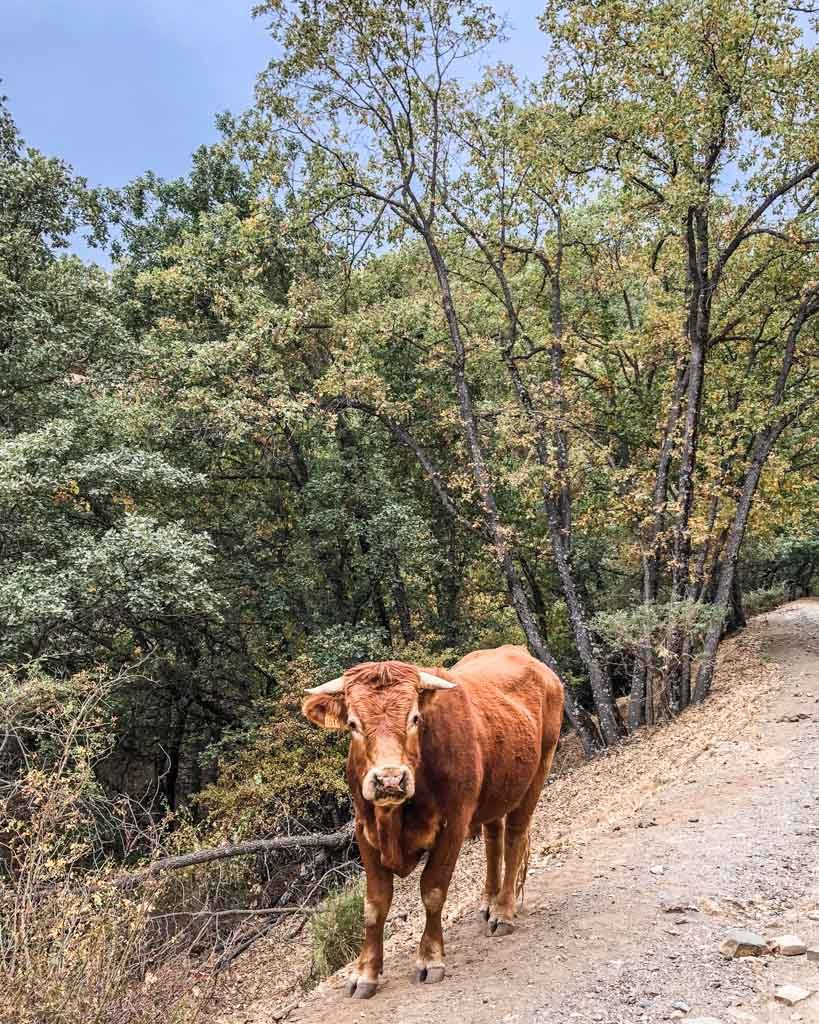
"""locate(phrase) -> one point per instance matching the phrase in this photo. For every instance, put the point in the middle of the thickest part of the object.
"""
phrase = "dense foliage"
(416, 358)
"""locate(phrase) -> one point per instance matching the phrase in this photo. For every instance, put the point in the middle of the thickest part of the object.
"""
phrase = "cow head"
(381, 704)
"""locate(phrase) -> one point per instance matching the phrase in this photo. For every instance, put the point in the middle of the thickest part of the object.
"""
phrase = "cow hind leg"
(516, 853)
(493, 841)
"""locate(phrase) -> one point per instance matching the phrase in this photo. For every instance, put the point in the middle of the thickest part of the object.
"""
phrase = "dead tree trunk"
(329, 841)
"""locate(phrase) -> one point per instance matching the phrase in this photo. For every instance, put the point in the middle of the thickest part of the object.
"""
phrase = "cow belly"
(512, 751)
(502, 794)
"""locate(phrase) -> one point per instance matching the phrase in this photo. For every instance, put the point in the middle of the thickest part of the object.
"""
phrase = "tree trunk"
(402, 608)
(538, 601)
(577, 715)
(697, 331)
(637, 696)
(659, 498)
(557, 509)
(736, 612)
(762, 448)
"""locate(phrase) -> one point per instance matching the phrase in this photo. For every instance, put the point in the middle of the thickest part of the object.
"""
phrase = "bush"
(280, 771)
(75, 949)
(646, 628)
(763, 600)
(337, 929)
(82, 954)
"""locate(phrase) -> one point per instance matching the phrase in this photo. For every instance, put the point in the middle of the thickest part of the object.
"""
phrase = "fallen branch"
(238, 912)
(328, 841)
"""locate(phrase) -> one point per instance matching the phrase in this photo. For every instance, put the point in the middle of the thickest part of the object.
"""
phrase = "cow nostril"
(392, 780)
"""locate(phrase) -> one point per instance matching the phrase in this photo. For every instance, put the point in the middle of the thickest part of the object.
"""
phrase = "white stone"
(740, 942)
(788, 945)
(790, 995)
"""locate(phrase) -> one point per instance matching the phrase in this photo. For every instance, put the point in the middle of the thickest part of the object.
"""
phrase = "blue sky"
(117, 87)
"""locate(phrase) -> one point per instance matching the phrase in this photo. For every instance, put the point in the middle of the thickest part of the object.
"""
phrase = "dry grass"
(88, 958)
(74, 949)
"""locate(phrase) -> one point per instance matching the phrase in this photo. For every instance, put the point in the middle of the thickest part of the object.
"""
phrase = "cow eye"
(415, 720)
(353, 726)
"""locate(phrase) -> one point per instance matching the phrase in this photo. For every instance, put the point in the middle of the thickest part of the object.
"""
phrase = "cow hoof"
(357, 988)
(430, 975)
(483, 913)
(499, 928)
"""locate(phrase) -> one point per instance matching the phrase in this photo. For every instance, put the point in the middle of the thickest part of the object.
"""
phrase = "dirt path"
(717, 813)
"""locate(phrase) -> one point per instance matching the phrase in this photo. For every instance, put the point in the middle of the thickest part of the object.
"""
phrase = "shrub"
(337, 929)
(73, 947)
(82, 954)
(647, 627)
(763, 600)
(280, 771)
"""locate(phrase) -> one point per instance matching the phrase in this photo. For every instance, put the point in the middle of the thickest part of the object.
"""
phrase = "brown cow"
(435, 755)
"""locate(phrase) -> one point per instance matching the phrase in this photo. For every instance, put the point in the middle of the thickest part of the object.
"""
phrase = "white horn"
(334, 686)
(430, 682)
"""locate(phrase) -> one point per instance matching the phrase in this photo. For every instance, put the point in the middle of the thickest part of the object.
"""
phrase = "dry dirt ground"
(641, 861)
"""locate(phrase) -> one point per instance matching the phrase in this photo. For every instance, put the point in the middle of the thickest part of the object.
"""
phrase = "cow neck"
(389, 822)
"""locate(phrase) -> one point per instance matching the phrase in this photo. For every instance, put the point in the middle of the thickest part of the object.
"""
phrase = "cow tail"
(523, 870)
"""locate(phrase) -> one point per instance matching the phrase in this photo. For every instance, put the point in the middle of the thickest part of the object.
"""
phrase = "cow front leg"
(364, 981)
(435, 880)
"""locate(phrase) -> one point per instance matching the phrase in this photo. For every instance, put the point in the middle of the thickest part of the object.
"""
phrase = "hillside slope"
(717, 813)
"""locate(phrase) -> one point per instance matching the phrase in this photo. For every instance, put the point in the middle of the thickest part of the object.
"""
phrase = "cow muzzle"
(388, 784)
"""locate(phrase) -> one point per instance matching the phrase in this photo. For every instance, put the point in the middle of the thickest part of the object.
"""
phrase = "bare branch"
(327, 841)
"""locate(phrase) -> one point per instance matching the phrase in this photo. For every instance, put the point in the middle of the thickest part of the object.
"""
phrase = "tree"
(686, 105)
(370, 91)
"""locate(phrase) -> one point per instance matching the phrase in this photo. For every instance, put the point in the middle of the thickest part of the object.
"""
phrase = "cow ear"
(327, 710)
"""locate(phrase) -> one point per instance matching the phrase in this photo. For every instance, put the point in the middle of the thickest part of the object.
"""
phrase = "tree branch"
(327, 841)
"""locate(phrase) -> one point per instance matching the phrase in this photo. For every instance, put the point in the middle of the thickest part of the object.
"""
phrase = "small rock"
(790, 995)
(674, 907)
(657, 869)
(680, 1005)
(813, 952)
(788, 945)
(813, 915)
(740, 942)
